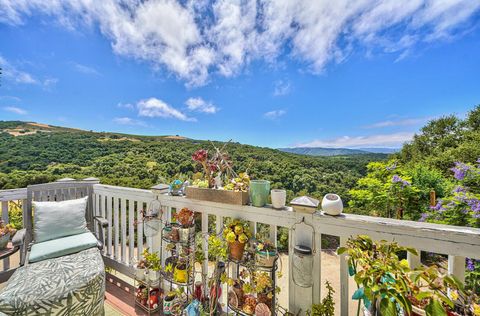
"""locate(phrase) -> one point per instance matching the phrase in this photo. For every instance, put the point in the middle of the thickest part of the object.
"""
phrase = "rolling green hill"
(34, 153)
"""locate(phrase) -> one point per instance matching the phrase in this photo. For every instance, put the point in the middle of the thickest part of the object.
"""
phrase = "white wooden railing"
(121, 207)
(112, 202)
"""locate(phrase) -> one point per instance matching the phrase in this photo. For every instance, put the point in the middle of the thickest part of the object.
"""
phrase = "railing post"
(456, 267)
(414, 260)
(344, 295)
(6, 261)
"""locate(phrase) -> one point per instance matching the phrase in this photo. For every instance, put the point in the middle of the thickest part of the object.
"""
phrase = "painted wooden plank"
(123, 225)
(131, 231)
(5, 212)
(456, 267)
(6, 261)
(148, 239)
(291, 283)
(344, 297)
(139, 230)
(13, 194)
(103, 211)
(110, 226)
(205, 241)
(116, 228)
(273, 234)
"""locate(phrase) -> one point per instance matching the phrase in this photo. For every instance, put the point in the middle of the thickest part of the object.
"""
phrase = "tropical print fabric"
(69, 285)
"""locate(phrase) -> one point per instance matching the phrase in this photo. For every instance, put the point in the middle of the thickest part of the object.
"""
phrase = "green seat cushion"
(62, 246)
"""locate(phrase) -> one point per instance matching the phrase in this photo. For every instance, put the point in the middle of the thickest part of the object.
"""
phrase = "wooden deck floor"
(119, 299)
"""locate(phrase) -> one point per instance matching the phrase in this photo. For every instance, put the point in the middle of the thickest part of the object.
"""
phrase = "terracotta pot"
(174, 235)
(236, 250)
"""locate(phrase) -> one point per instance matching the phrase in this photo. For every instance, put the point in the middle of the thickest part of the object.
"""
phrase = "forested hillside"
(35, 153)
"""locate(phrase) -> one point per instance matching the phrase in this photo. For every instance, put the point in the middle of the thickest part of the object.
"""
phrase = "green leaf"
(435, 308)
(388, 308)
(341, 250)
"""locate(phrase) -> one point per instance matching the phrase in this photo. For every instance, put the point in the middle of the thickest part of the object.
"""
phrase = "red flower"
(200, 155)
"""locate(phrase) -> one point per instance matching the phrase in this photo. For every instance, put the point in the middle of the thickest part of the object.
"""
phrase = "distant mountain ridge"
(322, 151)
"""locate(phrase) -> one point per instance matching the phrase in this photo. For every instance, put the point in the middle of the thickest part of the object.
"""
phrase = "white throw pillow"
(54, 220)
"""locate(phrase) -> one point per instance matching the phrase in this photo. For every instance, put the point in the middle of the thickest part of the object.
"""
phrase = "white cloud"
(154, 107)
(399, 122)
(128, 106)
(281, 87)
(128, 121)
(379, 140)
(194, 39)
(275, 114)
(16, 110)
(13, 74)
(200, 105)
(86, 70)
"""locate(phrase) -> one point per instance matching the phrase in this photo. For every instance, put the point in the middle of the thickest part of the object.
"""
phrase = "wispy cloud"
(200, 105)
(281, 87)
(154, 107)
(16, 110)
(86, 70)
(275, 114)
(10, 97)
(13, 74)
(128, 106)
(378, 140)
(128, 121)
(399, 122)
(237, 33)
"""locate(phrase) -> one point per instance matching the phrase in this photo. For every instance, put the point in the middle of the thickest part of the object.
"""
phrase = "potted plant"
(6, 231)
(382, 279)
(171, 261)
(152, 264)
(180, 273)
(237, 233)
(387, 285)
(218, 182)
(186, 220)
(265, 253)
(168, 302)
(262, 285)
(327, 306)
(140, 268)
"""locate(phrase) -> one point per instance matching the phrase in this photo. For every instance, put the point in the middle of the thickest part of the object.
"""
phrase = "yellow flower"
(454, 295)
(476, 309)
(238, 229)
(404, 264)
(230, 237)
(243, 238)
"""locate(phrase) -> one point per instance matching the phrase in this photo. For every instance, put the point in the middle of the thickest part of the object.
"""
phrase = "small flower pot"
(186, 233)
(168, 301)
(139, 273)
(332, 204)
(4, 241)
(237, 288)
(174, 234)
(265, 258)
(180, 275)
(236, 249)
(153, 276)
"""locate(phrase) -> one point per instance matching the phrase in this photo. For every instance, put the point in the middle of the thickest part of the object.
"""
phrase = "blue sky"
(274, 74)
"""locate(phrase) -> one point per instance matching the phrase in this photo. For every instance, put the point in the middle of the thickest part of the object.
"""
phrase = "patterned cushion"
(61, 247)
(54, 220)
(70, 285)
